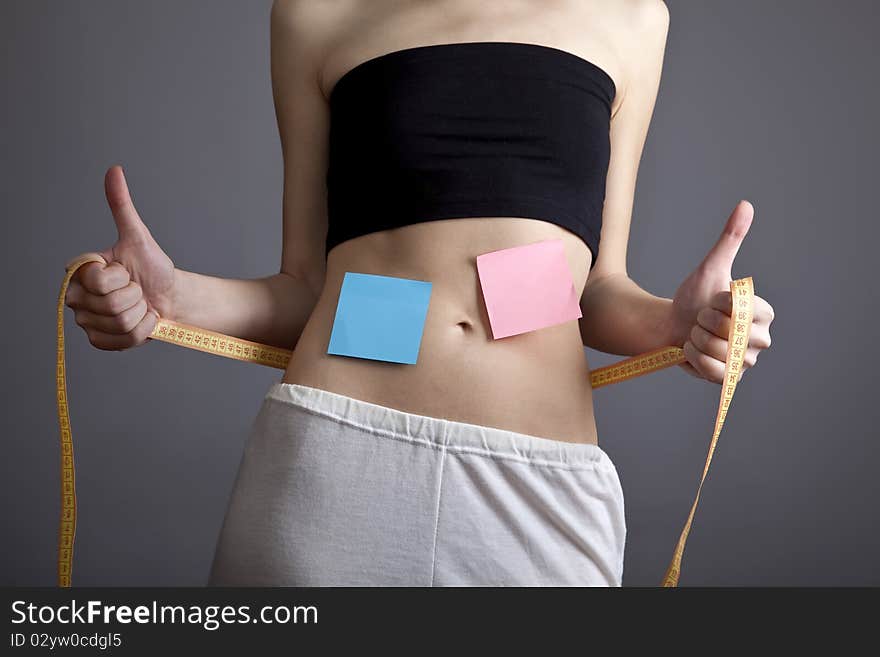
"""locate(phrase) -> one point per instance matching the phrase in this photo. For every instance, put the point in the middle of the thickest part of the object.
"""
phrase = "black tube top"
(473, 129)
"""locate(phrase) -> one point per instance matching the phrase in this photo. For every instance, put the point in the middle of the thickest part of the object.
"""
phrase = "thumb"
(722, 254)
(128, 222)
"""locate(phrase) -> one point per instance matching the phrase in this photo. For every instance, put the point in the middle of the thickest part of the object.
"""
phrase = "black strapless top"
(473, 129)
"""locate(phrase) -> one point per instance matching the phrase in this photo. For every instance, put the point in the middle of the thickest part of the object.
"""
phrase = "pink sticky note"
(527, 288)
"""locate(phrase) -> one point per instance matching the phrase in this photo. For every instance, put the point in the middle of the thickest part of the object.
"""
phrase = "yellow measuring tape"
(742, 293)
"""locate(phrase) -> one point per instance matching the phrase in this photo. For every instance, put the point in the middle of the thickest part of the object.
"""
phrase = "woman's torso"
(535, 383)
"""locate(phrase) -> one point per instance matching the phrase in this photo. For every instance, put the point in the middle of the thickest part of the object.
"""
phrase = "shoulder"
(301, 31)
(647, 16)
(641, 23)
(310, 8)
(309, 20)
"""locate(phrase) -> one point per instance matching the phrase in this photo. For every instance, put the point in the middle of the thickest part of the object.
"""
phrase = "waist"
(535, 383)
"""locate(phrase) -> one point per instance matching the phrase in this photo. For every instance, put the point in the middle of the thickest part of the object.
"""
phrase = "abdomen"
(535, 383)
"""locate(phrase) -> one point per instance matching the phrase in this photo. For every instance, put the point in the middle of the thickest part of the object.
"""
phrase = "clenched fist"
(702, 306)
(118, 304)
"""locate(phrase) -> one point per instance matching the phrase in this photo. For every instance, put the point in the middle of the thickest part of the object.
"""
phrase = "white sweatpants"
(336, 491)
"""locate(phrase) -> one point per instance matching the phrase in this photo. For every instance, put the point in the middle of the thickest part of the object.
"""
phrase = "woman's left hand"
(701, 308)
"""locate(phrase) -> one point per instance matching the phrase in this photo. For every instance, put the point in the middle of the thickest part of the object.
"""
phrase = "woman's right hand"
(118, 304)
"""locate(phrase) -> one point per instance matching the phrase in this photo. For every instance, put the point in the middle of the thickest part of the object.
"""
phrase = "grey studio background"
(772, 102)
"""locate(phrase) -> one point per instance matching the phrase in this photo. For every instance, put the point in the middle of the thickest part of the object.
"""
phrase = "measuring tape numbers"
(193, 337)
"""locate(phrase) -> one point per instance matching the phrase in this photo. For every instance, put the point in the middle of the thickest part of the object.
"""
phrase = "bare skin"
(535, 383)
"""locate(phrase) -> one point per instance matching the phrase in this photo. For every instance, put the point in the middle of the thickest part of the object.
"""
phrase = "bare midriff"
(535, 383)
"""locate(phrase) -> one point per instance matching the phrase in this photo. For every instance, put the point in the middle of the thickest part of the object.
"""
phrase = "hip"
(333, 490)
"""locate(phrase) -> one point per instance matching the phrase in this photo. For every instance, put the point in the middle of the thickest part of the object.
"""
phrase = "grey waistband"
(439, 432)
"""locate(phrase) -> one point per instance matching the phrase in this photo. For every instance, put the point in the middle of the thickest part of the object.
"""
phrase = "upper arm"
(303, 126)
(642, 54)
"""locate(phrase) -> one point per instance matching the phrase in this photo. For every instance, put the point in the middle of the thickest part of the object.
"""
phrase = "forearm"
(272, 310)
(621, 318)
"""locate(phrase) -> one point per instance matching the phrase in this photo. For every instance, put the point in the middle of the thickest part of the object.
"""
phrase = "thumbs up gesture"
(118, 304)
(702, 305)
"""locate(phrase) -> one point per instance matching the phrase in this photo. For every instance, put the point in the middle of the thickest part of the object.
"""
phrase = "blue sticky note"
(380, 317)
